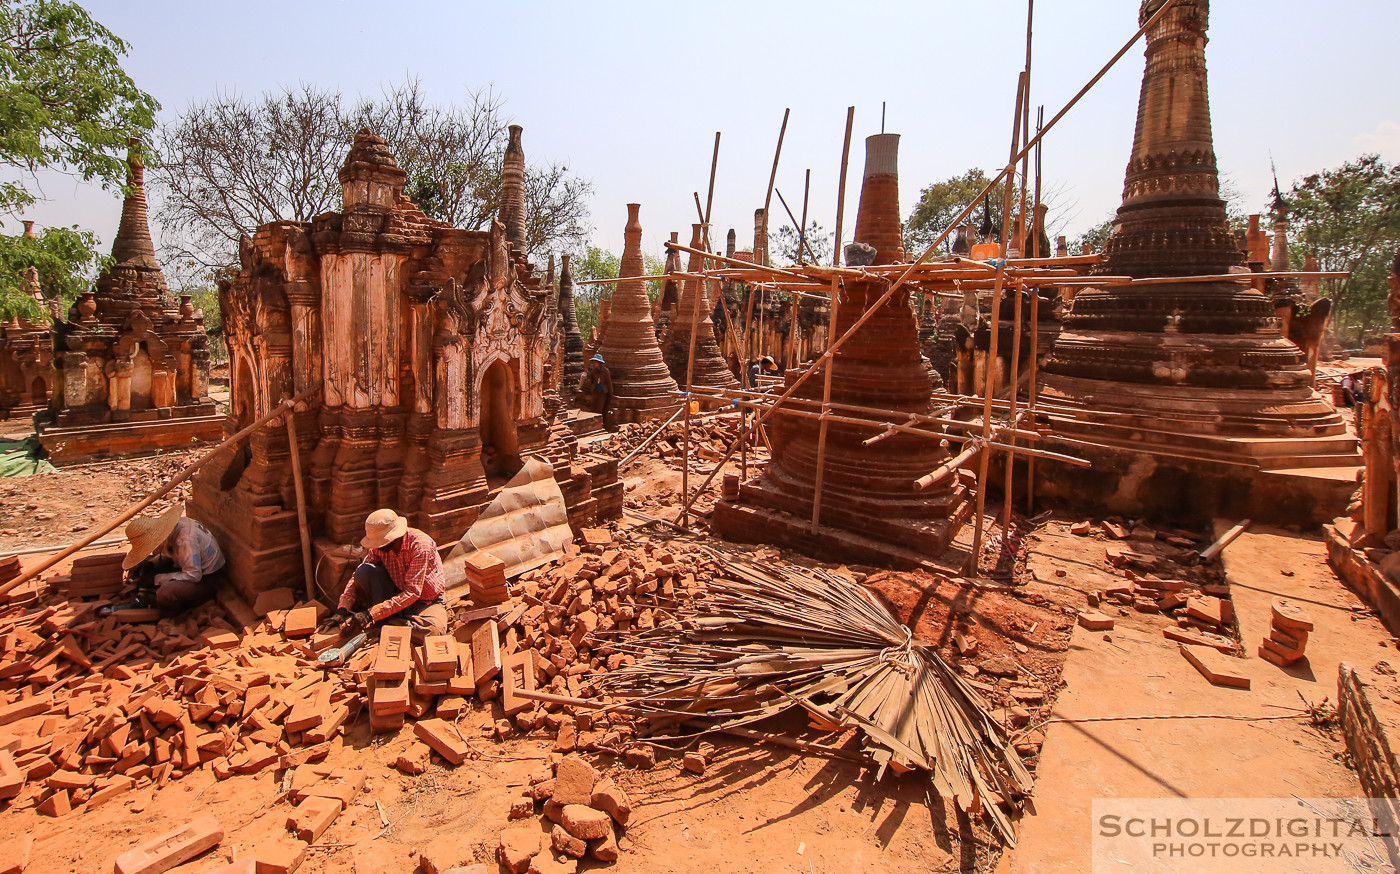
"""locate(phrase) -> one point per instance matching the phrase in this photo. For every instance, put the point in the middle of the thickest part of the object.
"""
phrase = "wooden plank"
(486, 652)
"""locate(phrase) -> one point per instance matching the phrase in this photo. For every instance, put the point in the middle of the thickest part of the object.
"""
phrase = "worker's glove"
(359, 621)
(334, 622)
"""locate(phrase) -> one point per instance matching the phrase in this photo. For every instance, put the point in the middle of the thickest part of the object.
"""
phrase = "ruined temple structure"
(642, 386)
(428, 343)
(870, 508)
(26, 354)
(1364, 546)
(665, 305)
(1184, 395)
(691, 319)
(131, 365)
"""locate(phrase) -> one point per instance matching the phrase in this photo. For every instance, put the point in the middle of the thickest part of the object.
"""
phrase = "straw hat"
(382, 528)
(147, 534)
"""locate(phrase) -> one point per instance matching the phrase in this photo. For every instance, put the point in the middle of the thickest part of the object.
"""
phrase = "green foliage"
(942, 202)
(595, 263)
(67, 263)
(65, 102)
(1349, 217)
(1095, 237)
(785, 243)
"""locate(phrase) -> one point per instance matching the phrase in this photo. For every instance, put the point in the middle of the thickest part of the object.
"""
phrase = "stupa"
(1184, 394)
(871, 510)
(692, 317)
(131, 364)
(642, 386)
(573, 338)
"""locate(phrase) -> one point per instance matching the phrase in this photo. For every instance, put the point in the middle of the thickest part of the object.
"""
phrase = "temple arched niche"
(499, 407)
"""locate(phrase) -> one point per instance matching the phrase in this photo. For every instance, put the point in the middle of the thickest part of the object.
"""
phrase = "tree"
(1094, 237)
(65, 259)
(1349, 217)
(942, 202)
(67, 103)
(784, 245)
(230, 164)
(592, 262)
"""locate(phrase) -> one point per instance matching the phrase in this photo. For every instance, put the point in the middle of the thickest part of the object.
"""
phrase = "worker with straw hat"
(399, 582)
(176, 556)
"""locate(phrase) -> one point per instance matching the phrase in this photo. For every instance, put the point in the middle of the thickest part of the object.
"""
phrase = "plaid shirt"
(193, 549)
(414, 567)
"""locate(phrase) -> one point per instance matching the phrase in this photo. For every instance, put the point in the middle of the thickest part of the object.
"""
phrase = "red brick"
(279, 857)
(486, 651)
(1095, 621)
(300, 622)
(56, 805)
(11, 777)
(312, 817)
(391, 662)
(169, 850)
(519, 671)
(25, 707)
(274, 599)
(1289, 616)
(442, 737)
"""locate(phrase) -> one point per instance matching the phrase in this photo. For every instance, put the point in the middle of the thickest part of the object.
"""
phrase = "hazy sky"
(631, 94)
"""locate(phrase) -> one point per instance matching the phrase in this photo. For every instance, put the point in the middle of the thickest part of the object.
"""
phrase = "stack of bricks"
(582, 813)
(9, 568)
(486, 579)
(96, 575)
(1288, 633)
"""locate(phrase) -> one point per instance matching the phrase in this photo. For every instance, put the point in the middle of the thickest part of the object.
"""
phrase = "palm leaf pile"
(768, 638)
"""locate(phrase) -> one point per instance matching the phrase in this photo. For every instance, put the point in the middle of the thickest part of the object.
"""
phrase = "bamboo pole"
(768, 198)
(1013, 387)
(967, 210)
(300, 489)
(826, 407)
(801, 240)
(975, 558)
(131, 512)
(690, 354)
(1035, 321)
(836, 252)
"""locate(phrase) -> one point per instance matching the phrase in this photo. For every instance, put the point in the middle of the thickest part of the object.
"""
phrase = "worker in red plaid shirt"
(400, 581)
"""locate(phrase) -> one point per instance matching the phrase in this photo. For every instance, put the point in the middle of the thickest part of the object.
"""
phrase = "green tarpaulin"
(23, 457)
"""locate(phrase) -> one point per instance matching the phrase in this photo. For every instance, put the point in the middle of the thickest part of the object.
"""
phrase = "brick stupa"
(1191, 402)
(642, 386)
(573, 338)
(131, 364)
(692, 317)
(871, 510)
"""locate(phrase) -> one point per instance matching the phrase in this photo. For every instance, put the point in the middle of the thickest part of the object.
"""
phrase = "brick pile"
(577, 812)
(1289, 627)
(1160, 576)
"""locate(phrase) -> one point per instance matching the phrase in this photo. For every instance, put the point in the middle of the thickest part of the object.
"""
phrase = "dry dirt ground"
(755, 808)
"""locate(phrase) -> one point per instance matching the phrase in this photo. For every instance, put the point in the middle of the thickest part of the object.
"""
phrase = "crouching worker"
(177, 558)
(400, 581)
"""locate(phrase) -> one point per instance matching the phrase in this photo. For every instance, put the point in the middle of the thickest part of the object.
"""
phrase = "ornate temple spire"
(513, 191)
(132, 246)
(1172, 220)
(370, 179)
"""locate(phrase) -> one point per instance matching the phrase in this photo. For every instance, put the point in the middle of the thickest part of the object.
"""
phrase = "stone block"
(609, 798)
(443, 738)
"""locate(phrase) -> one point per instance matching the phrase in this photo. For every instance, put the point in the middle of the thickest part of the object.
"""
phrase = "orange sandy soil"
(756, 808)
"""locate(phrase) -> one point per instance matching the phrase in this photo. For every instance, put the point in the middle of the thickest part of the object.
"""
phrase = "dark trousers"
(373, 585)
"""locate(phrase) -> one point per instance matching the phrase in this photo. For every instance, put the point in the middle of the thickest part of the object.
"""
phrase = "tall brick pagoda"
(693, 317)
(871, 510)
(642, 386)
(573, 339)
(131, 364)
(1185, 395)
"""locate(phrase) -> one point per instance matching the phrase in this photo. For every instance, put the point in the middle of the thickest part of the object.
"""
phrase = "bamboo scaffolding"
(1035, 322)
(819, 363)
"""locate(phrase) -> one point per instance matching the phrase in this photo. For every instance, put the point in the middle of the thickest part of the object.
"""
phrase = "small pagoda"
(131, 363)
